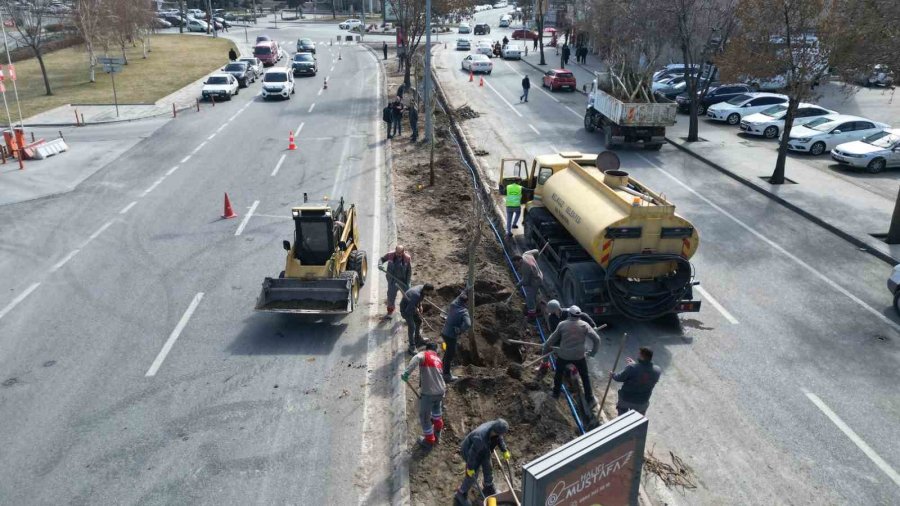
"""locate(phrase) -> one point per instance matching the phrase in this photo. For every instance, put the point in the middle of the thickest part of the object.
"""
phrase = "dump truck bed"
(307, 297)
(633, 114)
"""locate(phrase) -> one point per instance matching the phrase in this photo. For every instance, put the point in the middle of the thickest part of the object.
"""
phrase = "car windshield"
(275, 77)
(306, 42)
(262, 50)
(262, 38)
(217, 80)
(821, 124)
(235, 67)
(479, 57)
(248, 61)
(882, 139)
(776, 111)
(303, 57)
(740, 99)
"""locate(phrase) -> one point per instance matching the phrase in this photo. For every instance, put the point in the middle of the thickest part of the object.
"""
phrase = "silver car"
(873, 153)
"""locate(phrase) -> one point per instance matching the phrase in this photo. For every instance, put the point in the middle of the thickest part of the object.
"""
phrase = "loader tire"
(354, 287)
(358, 263)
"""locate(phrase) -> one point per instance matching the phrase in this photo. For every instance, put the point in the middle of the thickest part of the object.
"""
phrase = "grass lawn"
(174, 62)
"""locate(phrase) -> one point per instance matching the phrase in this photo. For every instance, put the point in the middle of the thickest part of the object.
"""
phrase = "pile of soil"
(435, 224)
(465, 112)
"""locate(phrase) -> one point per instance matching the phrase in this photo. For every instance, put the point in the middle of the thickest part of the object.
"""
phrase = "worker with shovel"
(476, 450)
(555, 315)
(399, 274)
(638, 379)
(431, 383)
(570, 335)
(458, 322)
(531, 279)
(411, 311)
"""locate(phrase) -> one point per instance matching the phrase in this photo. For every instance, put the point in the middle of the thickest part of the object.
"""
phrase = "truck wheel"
(572, 293)
(359, 264)
(589, 121)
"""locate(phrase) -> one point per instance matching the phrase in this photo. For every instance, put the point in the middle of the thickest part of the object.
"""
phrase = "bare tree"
(540, 9)
(87, 17)
(410, 28)
(29, 20)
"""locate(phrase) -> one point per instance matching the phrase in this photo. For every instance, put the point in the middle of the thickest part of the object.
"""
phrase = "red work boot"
(390, 310)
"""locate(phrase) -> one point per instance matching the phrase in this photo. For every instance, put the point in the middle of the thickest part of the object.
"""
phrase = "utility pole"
(428, 98)
(362, 28)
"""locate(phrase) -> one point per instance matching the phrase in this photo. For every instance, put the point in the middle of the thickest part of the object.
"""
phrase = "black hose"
(650, 304)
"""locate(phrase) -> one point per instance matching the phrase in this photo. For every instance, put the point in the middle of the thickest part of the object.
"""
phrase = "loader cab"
(314, 238)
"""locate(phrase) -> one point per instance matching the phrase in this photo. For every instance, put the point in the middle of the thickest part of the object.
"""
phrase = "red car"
(558, 79)
(524, 34)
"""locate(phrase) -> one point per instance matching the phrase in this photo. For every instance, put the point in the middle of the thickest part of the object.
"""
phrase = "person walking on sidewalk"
(384, 49)
(411, 311)
(531, 279)
(526, 85)
(399, 274)
(535, 44)
(513, 207)
(458, 322)
(397, 117)
(476, 449)
(570, 334)
(638, 379)
(232, 55)
(387, 115)
(414, 121)
(432, 389)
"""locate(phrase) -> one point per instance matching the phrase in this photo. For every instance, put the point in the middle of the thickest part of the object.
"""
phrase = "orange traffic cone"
(291, 145)
(481, 81)
(471, 76)
(229, 212)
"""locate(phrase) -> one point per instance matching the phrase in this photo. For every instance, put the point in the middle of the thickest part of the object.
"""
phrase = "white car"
(278, 83)
(512, 52)
(874, 153)
(742, 105)
(463, 44)
(196, 25)
(500, 5)
(477, 63)
(485, 47)
(464, 28)
(255, 65)
(220, 87)
(770, 122)
(819, 136)
(504, 21)
(350, 24)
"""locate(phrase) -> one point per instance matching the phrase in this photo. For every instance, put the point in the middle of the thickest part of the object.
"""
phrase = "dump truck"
(612, 245)
(324, 267)
(627, 122)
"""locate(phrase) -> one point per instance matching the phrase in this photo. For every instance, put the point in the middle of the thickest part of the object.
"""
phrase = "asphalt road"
(782, 389)
(134, 370)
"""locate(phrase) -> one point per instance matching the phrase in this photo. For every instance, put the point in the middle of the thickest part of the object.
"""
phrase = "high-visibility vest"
(513, 195)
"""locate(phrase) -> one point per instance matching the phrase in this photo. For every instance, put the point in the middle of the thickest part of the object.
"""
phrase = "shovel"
(507, 477)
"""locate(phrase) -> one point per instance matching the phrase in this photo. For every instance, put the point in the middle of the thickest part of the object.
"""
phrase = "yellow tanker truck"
(614, 246)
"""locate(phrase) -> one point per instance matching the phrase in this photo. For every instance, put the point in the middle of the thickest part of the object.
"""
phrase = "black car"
(175, 20)
(306, 46)
(482, 29)
(715, 95)
(241, 71)
(304, 64)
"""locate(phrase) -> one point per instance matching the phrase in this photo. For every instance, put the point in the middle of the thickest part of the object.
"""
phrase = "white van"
(505, 20)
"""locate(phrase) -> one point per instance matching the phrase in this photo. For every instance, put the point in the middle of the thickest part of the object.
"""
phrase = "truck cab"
(532, 177)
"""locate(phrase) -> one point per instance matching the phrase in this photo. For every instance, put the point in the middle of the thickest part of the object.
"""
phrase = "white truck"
(627, 122)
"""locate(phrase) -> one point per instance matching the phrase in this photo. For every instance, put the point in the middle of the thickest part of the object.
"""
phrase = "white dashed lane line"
(185, 159)
(98, 232)
(535, 129)
(153, 186)
(246, 219)
(198, 148)
(128, 207)
(311, 107)
(714, 303)
(170, 342)
(278, 165)
(64, 260)
(18, 300)
(171, 171)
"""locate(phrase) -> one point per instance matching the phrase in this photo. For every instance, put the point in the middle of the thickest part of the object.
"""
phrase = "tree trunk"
(92, 63)
(893, 236)
(540, 36)
(693, 122)
(778, 174)
(406, 69)
(470, 275)
(40, 59)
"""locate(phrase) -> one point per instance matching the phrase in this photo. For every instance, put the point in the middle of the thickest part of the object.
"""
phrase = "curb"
(843, 234)
(108, 122)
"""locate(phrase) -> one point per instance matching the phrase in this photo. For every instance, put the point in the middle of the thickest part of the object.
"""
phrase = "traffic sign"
(111, 60)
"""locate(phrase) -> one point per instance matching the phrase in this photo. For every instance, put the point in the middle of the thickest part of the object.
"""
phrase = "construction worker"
(638, 379)
(477, 448)
(411, 311)
(531, 279)
(556, 314)
(513, 206)
(432, 390)
(570, 335)
(458, 322)
(398, 272)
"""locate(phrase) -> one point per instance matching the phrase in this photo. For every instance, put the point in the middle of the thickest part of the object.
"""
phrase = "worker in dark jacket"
(387, 117)
(399, 274)
(411, 311)
(638, 379)
(526, 86)
(432, 388)
(477, 448)
(556, 314)
(397, 117)
(458, 322)
(570, 335)
(232, 55)
(384, 49)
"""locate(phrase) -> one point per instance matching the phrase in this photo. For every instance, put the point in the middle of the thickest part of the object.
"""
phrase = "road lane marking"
(554, 148)
(780, 249)
(185, 159)
(174, 336)
(223, 126)
(172, 170)
(511, 68)
(246, 218)
(545, 92)
(153, 186)
(535, 129)
(15, 302)
(128, 207)
(211, 137)
(714, 303)
(64, 260)
(503, 98)
(573, 111)
(311, 107)
(858, 441)
(198, 148)
(331, 69)
(278, 165)
(99, 231)
(320, 92)
(299, 127)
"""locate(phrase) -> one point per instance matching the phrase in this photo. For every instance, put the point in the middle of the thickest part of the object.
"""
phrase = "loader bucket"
(333, 296)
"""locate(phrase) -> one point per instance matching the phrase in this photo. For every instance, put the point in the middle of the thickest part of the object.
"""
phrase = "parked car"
(222, 22)
(477, 63)
(731, 111)
(524, 34)
(173, 20)
(219, 87)
(501, 5)
(240, 71)
(778, 82)
(485, 47)
(278, 82)
(874, 153)
(463, 44)
(482, 29)
(267, 52)
(714, 95)
(306, 46)
(504, 21)
(304, 64)
(160, 23)
(512, 52)
(350, 24)
(881, 75)
(671, 70)
(254, 64)
(558, 79)
(770, 122)
(464, 28)
(672, 87)
(821, 135)
(196, 25)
